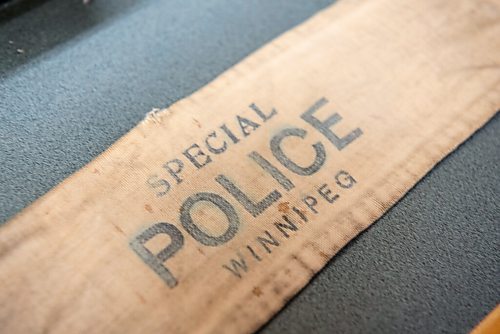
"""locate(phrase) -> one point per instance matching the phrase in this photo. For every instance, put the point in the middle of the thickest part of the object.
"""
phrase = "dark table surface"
(75, 78)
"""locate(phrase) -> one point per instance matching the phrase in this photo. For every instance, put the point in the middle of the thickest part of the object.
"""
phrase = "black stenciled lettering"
(229, 134)
(192, 156)
(344, 179)
(246, 125)
(265, 242)
(272, 170)
(174, 167)
(254, 254)
(219, 202)
(288, 226)
(254, 209)
(156, 182)
(278, 153)
(327, 193)
(324, 126)
(212, 149)
(156, 261)
(300, 213)
(311, 202)
(235, 266)
(261, 114)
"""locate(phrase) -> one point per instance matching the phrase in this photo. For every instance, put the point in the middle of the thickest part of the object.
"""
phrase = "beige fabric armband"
(209, 215)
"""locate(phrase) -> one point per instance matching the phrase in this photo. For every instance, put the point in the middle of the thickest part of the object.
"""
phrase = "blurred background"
(75, 77)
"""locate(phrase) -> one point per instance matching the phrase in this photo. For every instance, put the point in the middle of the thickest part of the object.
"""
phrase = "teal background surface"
(75, 78)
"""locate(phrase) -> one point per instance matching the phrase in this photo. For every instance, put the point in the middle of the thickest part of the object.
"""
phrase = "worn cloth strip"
(210, 215)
